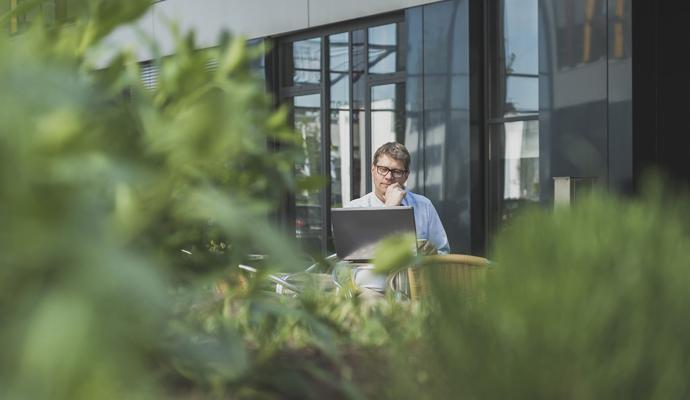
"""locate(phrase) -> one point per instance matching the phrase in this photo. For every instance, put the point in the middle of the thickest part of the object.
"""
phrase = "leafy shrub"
(588, 302)
(102, 183)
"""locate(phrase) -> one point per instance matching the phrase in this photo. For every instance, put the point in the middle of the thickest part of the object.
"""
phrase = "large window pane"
(302, 62)
(308, 204)
(354, 75)
(340, 119)
(387, 114)
(520, 35)
(360, 164)
(515, 71)
(522, 95)
(521, 57)
(515, 162)
(385, 50)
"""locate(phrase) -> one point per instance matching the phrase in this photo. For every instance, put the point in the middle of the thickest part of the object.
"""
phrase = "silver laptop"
(357, 231)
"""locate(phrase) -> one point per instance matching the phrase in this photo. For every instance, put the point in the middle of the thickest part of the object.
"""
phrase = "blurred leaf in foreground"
(102, 183)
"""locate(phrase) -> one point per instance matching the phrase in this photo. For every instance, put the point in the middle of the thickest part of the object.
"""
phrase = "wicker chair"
(455, 270)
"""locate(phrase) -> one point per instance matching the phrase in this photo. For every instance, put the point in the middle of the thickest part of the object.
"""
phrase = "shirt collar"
(406, 201)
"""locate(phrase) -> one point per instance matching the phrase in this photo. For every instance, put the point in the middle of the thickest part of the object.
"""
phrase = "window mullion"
(325, 140)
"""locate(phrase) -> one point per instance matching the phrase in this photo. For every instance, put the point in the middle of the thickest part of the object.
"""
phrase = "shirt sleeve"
(437, 235)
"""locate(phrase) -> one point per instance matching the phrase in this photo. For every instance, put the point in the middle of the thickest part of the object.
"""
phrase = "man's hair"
(395, 151)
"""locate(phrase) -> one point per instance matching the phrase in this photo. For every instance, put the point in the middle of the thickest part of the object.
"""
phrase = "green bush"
(103, 183)
(589, 302)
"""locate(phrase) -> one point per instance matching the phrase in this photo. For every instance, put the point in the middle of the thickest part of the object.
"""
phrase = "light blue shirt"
(426, 218)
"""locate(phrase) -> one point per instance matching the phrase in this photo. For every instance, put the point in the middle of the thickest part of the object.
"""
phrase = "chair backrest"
(462, 271)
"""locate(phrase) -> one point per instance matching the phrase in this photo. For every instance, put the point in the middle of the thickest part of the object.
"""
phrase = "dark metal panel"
(673, 86)
(479, 150)
(645, 87)
(447, 160)
(660, 89)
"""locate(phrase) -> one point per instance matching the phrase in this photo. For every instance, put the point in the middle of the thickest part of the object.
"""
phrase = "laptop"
(358, 231)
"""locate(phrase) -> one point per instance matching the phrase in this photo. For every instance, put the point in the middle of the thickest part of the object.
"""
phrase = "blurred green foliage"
(582, 303)
(103, 183)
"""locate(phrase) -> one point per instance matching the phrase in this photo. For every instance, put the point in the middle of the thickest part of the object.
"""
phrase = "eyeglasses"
(395, 173)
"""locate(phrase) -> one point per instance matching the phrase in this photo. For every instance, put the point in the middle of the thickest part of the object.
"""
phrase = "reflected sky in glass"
(340, 119)
(522, 95)
(338, 49)
(306, 55)
(339, 70)
(521, 36)
(383, 42)
(521, 24)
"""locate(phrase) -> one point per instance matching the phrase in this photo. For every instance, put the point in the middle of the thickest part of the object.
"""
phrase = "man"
(389, 172)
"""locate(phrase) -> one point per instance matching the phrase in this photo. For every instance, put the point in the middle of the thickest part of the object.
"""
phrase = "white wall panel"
(204, 17)
(208, 18)
(251, 18)
(323, 12)
(131, 37)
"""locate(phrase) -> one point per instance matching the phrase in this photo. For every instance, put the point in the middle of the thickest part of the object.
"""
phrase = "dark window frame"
(285, 92)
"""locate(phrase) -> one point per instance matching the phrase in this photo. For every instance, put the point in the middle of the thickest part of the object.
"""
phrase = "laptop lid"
(357, 231)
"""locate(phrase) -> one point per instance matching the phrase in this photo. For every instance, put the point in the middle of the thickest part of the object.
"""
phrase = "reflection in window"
(358, 74)
(308, 215)
(516, 90)
(514, 82)
(520, 35)
(516, 164)
(360, 165)
(578, 30)
(302, 62)
(340, 119)
(384, 54)
(522, 95)
(258, 64)
(387, 114)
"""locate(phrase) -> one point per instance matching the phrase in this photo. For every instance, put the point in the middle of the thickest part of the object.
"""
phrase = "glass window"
(360, 165)
(520, 35)
(258, 64)
(515, 163)
(339, 57)
(514, 81)
(385, 55)
(360, 82)
(578, 32)
(387, 114)
(302, 62)
(515, 74)
(522, 95)
(308, 203)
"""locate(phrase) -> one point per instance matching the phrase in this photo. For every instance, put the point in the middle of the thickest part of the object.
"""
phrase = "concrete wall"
(256, 18)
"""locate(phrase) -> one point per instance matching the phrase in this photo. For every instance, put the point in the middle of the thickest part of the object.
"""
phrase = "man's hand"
(394, 194)
(424, 247)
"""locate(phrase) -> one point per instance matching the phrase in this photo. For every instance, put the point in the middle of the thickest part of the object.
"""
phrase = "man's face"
(381, 182)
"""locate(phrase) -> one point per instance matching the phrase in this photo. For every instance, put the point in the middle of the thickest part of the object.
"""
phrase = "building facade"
(493, 98)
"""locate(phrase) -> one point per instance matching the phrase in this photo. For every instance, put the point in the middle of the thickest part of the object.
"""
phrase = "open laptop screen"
(357, 231)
